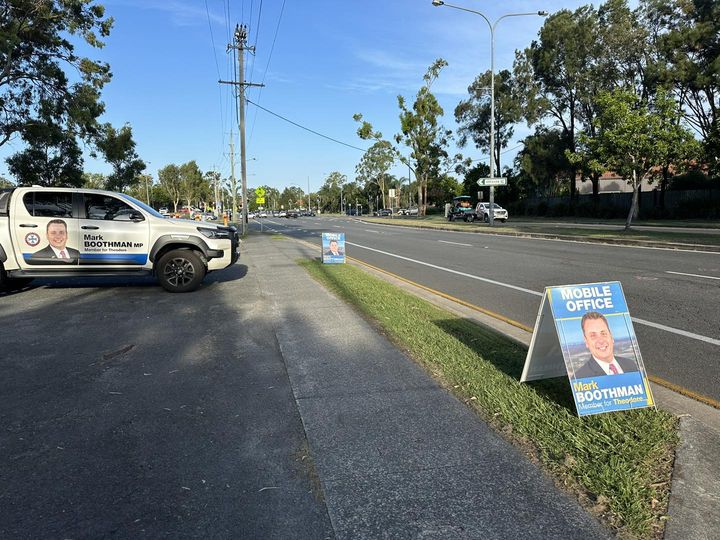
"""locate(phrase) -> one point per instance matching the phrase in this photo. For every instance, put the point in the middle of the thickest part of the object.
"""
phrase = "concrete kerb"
(695, 490)
(565, 237)
(397, 455)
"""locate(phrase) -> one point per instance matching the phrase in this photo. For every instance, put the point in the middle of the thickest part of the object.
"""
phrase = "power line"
(305, 128)
(217, 66)
(267, 66)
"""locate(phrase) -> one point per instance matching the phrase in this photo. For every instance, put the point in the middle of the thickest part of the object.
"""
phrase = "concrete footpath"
(694, 506)
(396, 455)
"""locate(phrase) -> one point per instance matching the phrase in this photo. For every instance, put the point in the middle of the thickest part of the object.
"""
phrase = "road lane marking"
(657, 380)
(455, 243)
(369, 230)
(658, 326)
(692, 275)
(457, 272)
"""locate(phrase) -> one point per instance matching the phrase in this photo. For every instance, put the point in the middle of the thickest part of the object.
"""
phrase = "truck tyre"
(180, 270)
(468, 219)
(486, 218)
(451, 218)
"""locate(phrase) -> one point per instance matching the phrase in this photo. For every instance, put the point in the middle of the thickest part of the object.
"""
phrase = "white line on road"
(692, 275)
(670, 329)
(370, 230)
(486, 280)
(455, 243)
(677, 331)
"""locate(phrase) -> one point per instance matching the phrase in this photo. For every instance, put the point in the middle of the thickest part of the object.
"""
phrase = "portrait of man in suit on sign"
(56, 252)
(599, 341)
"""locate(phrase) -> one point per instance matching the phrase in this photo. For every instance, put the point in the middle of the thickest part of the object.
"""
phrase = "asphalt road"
(673, 296)
(129, 412)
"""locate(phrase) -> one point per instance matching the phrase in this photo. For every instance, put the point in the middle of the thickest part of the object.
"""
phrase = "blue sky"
(331, 59)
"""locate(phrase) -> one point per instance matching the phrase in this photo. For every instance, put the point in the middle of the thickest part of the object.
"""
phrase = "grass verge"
(617, 464)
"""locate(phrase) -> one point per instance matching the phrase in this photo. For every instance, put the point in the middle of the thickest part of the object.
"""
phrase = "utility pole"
(240, 44)
(233, 182)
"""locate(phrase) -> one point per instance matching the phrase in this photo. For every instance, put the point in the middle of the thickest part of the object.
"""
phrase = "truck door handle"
(31, 225)
(91, 227)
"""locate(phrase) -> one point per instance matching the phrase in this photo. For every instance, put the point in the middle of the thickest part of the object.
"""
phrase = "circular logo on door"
(32, 239)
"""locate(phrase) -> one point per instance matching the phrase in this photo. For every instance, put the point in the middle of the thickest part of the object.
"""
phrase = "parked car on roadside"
(384, 212)
(482, 210)
(63, 232)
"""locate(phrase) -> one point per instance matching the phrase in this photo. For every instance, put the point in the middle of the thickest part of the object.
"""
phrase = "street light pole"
(491, 26)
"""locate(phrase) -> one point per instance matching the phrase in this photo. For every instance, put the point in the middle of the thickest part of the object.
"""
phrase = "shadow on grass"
(507, 356)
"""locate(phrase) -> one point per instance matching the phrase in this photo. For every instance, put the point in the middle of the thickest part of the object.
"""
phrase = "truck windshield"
(142, 205)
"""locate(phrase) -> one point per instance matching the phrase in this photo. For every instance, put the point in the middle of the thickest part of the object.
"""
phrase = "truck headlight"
(216, 234)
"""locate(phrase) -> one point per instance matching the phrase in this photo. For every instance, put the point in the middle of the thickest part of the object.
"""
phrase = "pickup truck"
(71, 232)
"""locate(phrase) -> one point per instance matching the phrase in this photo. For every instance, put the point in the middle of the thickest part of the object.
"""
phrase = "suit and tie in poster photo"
(57, 251)
(599, 348)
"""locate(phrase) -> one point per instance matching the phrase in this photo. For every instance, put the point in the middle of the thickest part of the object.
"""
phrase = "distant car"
(261, 214)
(282, 213)
(483, 212)
(164, 211)
(292, 214)
(414, 211)
(384, 212)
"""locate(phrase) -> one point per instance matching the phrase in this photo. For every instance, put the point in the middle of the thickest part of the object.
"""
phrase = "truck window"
(56, 204)
(108, 208)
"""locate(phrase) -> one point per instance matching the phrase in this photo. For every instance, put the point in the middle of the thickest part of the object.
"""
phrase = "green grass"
(543, 228)
(618, 464)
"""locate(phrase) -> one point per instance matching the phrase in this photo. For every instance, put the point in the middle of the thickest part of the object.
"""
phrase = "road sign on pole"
(497, 181)
(259, 200)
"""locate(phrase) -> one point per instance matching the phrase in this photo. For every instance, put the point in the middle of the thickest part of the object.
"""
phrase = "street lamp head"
(543, 13)
(437, 2)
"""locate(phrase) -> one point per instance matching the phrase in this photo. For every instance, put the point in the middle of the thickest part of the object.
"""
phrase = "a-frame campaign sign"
(585, 332)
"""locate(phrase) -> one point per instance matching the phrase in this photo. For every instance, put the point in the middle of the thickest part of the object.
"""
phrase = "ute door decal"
(112, 232)
(46, 230)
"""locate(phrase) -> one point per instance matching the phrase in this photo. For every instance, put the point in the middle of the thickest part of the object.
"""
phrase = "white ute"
(69, 232)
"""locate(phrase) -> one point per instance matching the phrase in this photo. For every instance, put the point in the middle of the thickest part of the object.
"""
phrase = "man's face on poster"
(57, 235)
(598, 339)
(333, 246)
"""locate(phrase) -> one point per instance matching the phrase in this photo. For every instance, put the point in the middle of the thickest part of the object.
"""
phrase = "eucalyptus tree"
(421, 132)
(473, 114)
(331, 192)
(292, 197)
(118, 148)
(169, 177)
(554, 72)
(374, 166)
(191, 180)
(94, 180)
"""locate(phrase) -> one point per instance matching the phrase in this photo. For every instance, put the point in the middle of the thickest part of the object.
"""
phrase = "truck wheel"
(180, 270)
(486, 218)
(451, 218)
(468, 219)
